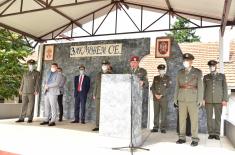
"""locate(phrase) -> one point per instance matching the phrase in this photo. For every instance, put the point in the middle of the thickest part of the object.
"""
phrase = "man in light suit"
(51, 90)
(81, 89)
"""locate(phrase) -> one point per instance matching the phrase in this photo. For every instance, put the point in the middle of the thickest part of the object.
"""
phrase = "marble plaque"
(121, 94)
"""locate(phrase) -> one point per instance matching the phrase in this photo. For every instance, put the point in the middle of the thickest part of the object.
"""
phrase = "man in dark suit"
(81, 89)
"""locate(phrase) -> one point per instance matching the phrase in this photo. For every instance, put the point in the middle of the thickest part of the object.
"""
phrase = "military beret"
(188, 56)
(31, 61)
(82, 67)
(212, 63)
(135, 58)
(161, 67)
(105, 62)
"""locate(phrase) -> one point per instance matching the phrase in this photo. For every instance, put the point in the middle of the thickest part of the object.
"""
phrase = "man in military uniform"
(189, 94)
(97, 90)
(159, 89)
(28, 89)
(215, 96)
(142, 75)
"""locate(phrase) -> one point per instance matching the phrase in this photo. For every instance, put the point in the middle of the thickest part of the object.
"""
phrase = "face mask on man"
(81, 72)
(212, 68)
(104, 68)
(162, 72)
(53, 69)
(186, 64)
(30, 68)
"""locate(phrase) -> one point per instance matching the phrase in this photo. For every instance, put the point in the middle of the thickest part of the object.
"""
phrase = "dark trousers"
(80, 103)
(60, 103)
(188, 124)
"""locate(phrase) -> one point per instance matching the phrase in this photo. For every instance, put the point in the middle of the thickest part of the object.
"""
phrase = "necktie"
(80, 84)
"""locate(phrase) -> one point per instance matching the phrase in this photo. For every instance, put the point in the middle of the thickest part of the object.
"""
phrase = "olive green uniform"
(141, 73)
(159, 87)
(96, 94)
(189, 93)
(215, 91)
(29, 85)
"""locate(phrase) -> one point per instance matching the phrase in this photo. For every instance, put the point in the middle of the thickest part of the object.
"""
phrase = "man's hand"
(158, 97)
(93, 97)
(35, 93)
(20, 92)
(46, 86)
(141, 83)
(176, 105)
(200, 104)
(224, 103)
(203, 103)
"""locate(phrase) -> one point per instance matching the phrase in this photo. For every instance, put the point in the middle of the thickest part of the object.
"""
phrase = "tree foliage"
(13, 50)
(180, 33)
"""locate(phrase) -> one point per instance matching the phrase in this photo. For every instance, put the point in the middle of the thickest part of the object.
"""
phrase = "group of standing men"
(191, 92)
(53, 93)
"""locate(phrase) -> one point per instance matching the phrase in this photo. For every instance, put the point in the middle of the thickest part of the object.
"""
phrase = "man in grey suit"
(51, 90)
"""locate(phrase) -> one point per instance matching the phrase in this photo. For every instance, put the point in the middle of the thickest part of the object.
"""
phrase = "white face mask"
(81, 72)
(212, 69)
(53, 69)
(186, 64)
(104, 68)
(30, 67)
(162, 72)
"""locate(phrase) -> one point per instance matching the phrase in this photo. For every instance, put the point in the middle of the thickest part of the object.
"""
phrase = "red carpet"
(6, 153)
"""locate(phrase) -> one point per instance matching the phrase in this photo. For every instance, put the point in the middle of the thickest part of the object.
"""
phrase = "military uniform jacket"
(215, 88)
(141, 73)
(97, 88)
(160, 85)
(189, 86)
(30, 82)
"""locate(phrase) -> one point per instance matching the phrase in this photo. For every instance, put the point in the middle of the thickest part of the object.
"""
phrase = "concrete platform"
(73, 139)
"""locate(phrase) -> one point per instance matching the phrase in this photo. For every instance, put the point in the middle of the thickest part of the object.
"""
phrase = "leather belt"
(188, 87)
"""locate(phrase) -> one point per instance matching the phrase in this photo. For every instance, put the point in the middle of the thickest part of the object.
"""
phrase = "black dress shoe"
(180, 141)
(217, 137)
(60, 119)
(154, 130)
(194, 143)
(29, 121)
(83, 122)
(210, 136)
(51, 124)
(74, 121)
(19, 121)
(95, 129)
(44, 123)
(163, 131)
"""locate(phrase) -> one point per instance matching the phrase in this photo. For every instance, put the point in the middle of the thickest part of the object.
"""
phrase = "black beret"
(161, 67)
(188, 56)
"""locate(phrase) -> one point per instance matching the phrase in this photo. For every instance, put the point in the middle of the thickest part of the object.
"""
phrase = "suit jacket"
(194, 79)
(85, 85)
(53, 86)
(215, 88)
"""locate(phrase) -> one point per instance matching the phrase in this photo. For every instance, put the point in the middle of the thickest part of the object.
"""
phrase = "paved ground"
(74, 139)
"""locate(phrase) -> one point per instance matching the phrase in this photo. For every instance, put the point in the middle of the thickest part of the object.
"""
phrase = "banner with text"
(96, 50)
